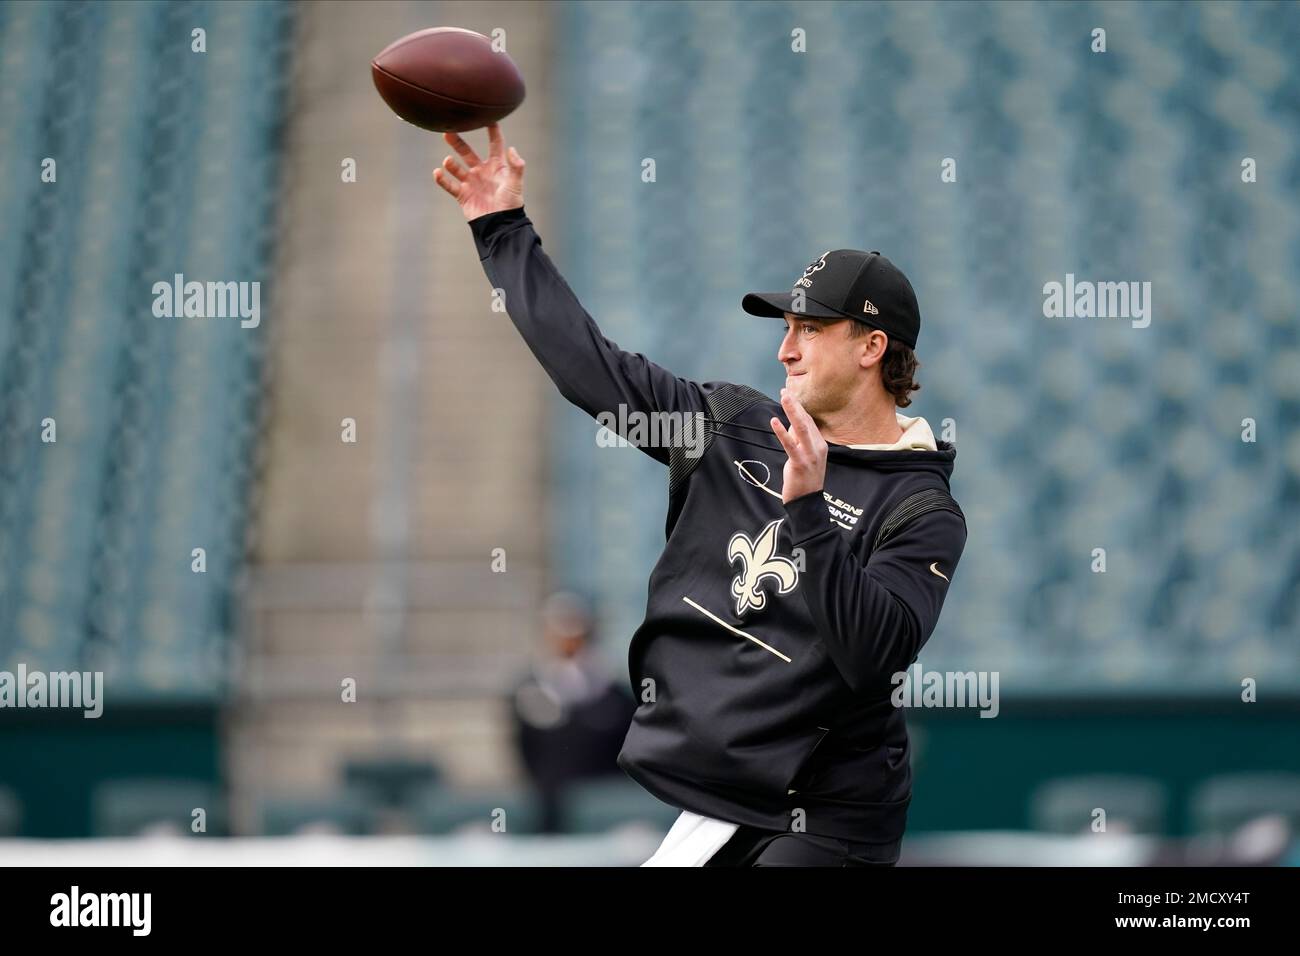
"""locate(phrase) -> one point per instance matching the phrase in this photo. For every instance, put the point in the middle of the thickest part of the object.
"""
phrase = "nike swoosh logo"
(938, 572)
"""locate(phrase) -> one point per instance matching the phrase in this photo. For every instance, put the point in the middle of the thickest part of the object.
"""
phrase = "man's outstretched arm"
(590, 371)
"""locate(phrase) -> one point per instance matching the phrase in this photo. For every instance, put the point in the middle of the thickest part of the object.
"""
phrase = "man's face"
(565, 637)
(821, 365)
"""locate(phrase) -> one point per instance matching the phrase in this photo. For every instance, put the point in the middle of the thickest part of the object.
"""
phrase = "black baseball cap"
(848, 284)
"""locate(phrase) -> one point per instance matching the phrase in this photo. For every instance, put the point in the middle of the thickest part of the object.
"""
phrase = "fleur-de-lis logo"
(759, 560)
(817, 265)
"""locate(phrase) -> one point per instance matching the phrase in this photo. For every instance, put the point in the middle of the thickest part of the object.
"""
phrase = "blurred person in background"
(569, 713)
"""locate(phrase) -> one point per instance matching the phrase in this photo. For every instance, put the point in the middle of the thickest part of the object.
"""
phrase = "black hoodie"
(772, 631)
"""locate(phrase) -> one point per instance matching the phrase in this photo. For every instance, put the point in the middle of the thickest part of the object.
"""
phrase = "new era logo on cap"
(848, 283)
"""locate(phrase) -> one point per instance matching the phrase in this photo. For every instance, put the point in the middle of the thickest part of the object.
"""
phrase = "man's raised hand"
(805, 466)
(483, 187)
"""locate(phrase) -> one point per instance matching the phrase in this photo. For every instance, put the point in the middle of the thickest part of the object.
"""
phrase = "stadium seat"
(392, 781)
(347, 813)
(129, 807)
(1132, 804)
(440, 810)
(598, 805)
(1224, 803)
(11, 813)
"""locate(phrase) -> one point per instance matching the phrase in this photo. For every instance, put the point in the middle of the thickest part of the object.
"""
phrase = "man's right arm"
(590, 371)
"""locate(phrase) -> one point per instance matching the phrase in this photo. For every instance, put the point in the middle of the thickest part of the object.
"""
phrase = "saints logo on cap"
(817, 265)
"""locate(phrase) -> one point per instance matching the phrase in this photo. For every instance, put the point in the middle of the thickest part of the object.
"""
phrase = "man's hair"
(896, 368)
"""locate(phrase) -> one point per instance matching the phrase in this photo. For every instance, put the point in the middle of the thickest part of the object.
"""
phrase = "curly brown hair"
(896, 369)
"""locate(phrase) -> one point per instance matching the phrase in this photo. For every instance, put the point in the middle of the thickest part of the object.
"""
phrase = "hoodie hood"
(916, 436)
(916, 450)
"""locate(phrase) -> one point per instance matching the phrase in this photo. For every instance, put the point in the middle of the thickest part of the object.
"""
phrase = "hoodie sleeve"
(875, 618)
(590, 371)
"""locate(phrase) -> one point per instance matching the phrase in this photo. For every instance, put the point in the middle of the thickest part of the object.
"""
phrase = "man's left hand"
(805, 467)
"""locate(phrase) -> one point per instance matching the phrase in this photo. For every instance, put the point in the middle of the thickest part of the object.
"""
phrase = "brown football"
(447, 79)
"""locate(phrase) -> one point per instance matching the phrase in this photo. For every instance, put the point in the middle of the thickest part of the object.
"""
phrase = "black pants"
(750, 846)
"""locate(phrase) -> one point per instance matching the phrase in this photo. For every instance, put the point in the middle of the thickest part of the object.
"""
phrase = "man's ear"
(874, 343)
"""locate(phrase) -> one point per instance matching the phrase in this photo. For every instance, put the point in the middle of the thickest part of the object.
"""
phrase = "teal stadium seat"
(11, 813)
(347, 813)
(123, 808)
(1066, 805)
(1224, 803)
(595, 806)
(391, 781)
(441, 810)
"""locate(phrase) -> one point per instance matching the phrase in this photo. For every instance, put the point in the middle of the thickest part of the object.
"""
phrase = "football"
(446, 79)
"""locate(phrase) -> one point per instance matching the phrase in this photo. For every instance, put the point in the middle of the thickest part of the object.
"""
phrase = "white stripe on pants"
(692, 840)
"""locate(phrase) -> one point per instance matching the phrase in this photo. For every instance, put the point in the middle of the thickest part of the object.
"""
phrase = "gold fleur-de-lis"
(759, 560)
